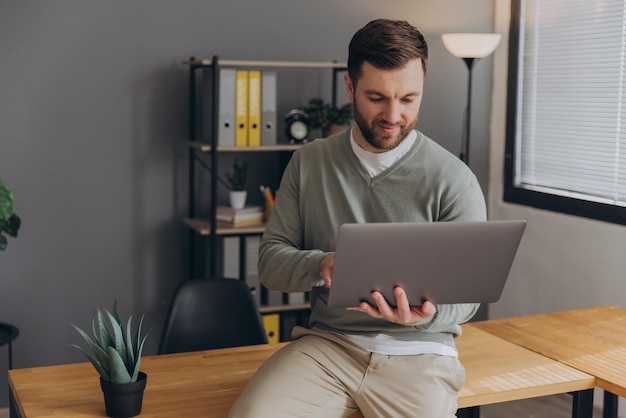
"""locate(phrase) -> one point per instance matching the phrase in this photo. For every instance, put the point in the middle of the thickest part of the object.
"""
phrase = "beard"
(381, 141)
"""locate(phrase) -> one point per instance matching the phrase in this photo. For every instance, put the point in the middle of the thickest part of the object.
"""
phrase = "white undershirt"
(375, 164)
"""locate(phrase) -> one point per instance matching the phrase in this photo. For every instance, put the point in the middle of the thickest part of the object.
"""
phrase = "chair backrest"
(211, 313)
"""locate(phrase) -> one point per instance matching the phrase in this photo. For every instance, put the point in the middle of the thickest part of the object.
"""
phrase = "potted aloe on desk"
(115, 352)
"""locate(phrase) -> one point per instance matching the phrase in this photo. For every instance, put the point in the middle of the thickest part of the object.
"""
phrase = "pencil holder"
(268, 210)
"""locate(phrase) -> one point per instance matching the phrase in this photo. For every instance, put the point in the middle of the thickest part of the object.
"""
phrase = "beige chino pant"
(323, 375)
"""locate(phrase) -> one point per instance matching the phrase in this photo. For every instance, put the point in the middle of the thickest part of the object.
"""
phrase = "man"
(384, 361)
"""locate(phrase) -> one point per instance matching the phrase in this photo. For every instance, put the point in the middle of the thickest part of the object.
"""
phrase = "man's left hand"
(402, 314)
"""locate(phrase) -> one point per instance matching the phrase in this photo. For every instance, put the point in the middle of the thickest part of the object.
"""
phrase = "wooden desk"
(592, 340)
(200, 384)
(499, 371)
(206, 383)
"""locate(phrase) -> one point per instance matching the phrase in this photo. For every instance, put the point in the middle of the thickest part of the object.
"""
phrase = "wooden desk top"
(206, 383)
(201, 384)
(499, 371)
(592, 340)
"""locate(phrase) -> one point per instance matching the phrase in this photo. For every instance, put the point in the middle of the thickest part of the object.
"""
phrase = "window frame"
(541, 200)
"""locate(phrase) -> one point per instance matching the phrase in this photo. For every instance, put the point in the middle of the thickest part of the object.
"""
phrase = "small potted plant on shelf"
(330, 119)
(9, 221)
(237, 181)
(115, 352)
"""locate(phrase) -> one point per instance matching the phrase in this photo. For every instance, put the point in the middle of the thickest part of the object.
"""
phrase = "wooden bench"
(205, 384)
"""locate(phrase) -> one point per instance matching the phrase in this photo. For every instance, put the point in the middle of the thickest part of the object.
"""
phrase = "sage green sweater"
(325, 186)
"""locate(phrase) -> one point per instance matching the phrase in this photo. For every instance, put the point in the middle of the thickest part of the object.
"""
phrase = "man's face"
(386, 104)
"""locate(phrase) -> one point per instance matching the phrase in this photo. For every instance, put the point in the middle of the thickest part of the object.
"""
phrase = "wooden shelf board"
(205, 147)
(203, 227)
(271, 64)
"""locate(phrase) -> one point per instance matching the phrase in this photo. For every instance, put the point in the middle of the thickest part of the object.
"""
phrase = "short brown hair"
(386, 44)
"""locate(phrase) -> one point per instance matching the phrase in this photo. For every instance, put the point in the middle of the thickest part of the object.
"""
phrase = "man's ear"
(349, 86)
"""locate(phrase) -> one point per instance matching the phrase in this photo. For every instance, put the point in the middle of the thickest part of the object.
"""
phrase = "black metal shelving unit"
(203, 231)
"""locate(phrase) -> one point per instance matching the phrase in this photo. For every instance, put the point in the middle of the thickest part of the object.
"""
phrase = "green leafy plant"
(9, 221)
(114, 350)
(323, 115)
(238, 178)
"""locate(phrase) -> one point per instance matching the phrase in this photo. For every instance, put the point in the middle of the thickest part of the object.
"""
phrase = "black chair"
(211, 313)
(8, 333)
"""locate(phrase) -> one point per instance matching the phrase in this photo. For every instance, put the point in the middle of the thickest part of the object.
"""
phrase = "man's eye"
(376, 99)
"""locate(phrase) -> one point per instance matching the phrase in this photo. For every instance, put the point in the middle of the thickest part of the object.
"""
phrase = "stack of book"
(248, 216)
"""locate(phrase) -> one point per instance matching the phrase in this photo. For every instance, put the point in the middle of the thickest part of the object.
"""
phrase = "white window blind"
(571, 130)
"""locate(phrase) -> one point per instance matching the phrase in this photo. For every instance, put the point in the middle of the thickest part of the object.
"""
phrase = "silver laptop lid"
(444, 262)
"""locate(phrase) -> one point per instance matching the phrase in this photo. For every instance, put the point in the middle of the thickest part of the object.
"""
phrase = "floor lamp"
(470, 47)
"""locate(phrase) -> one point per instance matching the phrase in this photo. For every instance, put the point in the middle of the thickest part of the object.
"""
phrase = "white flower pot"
(238, 199)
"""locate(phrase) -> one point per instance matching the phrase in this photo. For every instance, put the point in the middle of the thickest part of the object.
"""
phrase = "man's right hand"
(326, 269)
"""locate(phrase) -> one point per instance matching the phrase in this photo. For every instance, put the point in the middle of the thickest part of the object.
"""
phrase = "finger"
(328, 281)
(370, 310)
(402, 303)
(326, 269)
(429, 308)
(383, 307)
(361, 308)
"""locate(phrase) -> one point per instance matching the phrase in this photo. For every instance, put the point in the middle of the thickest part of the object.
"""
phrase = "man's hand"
(326, 269)
(402, 314)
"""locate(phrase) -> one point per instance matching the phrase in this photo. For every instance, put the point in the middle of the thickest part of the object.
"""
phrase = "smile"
(389, 128)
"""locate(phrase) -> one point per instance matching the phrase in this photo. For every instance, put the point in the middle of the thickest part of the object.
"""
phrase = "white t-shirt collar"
(376, 163)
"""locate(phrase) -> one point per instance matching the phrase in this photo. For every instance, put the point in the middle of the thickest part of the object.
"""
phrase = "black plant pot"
(124, 400)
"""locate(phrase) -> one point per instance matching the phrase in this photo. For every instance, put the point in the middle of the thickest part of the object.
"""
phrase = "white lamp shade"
(471, 45)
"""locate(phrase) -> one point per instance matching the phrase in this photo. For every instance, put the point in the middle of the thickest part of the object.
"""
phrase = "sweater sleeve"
(467, 204)
(284, 264)
(448, 318)
(466, 201)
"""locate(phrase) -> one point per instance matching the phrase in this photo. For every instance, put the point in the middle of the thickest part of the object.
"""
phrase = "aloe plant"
(113, 350)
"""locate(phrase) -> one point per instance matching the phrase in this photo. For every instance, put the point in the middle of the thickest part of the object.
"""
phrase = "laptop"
(443, 262)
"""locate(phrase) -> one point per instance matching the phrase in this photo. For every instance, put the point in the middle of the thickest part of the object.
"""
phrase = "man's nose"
(392, 113)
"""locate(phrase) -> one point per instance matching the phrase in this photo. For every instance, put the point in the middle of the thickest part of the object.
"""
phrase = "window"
(566, 107)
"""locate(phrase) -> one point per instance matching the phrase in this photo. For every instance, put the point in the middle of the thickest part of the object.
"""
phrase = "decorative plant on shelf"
(238, 178)
(9, 221)
(115, 352)
(237, 182)
(326, 117)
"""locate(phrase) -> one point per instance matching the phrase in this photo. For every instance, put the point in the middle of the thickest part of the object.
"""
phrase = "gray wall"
(92, 121)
